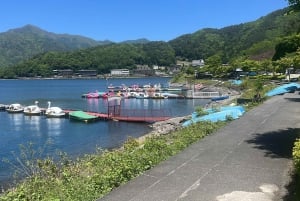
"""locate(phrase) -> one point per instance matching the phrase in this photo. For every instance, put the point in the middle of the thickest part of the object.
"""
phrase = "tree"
(295, 4)
(287, 45)
(283, 64)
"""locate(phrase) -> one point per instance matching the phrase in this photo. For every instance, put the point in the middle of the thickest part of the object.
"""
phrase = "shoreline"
(174, 124)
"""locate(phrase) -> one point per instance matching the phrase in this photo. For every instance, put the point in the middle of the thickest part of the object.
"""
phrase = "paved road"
(247, 160)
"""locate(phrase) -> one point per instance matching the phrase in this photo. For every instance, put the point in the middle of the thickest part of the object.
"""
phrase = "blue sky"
(119, 20)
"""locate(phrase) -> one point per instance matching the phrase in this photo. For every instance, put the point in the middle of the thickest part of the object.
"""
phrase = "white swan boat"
(54, 111)
(32, 109)
(15, 108)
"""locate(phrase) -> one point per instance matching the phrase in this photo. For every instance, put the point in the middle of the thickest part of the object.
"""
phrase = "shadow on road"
(277, 144)
(293, 99)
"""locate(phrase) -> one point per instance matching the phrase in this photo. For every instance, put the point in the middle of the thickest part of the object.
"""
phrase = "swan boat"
(32, 109)
(54, 111)
(15, 108)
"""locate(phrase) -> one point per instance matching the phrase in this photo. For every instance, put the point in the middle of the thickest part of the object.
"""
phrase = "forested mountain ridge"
(253, 40)
(256, 39)
(23, 43)
(101, 58)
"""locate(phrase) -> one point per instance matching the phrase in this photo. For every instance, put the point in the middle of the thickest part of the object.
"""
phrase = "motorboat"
(54, 111)
(141, 95)
(158, 96)
(33, 109)
(219, 98)
(15, 108)
(172, 95)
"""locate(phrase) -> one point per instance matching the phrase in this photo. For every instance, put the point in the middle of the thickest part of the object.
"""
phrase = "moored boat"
(219, 98)
(158, 96)
(141, 95)
(54, 111)
(33, 109)
(93, 95)
(15, 108)
(172, 95)
(3, 107)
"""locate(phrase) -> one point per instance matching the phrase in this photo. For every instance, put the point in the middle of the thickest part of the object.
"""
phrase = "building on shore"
(120, 72)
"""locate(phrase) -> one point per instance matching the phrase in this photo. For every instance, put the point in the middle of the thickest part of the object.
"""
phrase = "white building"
(198, 62)
(119, 72)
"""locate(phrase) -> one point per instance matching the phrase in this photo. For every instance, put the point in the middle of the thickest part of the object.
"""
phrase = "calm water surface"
(74, 138)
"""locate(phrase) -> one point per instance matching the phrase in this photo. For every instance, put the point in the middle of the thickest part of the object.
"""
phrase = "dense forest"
(264, 39)
(99, 58)
(25, 42)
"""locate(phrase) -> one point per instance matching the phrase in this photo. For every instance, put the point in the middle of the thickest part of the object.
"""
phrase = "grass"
(94, 175)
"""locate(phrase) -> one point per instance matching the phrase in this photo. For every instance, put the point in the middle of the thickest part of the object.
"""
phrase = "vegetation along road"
(248, 159)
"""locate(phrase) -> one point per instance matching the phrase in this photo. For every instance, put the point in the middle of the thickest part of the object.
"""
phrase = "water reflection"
(54, 126)
(15, 121)
(159, 103)
(93, 104)
(33, 123)
(119, 132)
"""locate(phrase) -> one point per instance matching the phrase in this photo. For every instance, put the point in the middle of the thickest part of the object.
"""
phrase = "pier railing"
(202, 94)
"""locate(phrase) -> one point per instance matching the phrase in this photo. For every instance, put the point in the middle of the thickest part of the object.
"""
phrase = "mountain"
(137, 41)
(255, 39)
(22, 43)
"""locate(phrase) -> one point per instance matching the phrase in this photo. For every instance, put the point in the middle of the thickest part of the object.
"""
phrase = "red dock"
(140, 119)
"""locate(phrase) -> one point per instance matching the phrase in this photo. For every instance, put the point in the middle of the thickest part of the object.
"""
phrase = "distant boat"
(82, 116)
(15, 108)
(54, 111)
(93, 94)
(172, 95)
(3, 107)
(158, 96)
(218, 98)
(33, 109)
(141, 95)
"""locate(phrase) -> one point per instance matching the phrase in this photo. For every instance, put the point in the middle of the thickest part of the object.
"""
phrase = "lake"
(74, 138)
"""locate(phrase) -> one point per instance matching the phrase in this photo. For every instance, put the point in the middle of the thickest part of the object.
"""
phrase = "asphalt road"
(249, 159)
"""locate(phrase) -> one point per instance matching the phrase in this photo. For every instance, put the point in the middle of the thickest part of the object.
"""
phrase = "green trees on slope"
(101, 58)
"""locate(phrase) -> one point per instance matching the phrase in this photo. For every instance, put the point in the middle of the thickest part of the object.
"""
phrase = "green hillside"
(256, 41)
(25, 42)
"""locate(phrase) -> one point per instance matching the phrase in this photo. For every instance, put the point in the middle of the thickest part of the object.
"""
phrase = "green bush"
(296, 156)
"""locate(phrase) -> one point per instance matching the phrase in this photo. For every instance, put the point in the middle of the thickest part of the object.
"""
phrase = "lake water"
(74, 138)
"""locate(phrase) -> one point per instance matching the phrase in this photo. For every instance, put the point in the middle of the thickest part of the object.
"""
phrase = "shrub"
(296, 156)
(94, 175)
